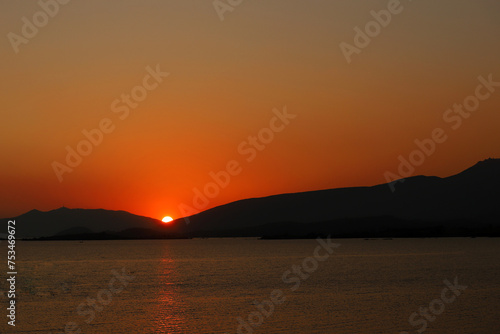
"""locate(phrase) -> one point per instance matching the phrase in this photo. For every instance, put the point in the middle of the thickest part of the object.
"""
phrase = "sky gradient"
(353, 120)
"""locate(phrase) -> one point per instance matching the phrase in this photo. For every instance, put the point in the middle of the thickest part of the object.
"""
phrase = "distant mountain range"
(459, 205)
(64, 221)
(471, 196)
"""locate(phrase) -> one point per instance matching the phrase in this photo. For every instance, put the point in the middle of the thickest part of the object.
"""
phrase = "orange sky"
(353, 120)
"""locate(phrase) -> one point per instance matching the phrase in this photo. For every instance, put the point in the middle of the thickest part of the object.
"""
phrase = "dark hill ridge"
(427, 205)
(472, 195)
(70, 221)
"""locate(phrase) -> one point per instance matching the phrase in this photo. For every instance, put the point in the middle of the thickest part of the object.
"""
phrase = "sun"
(167, 219)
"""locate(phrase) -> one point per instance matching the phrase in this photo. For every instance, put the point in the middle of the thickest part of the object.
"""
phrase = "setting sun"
(167, 219)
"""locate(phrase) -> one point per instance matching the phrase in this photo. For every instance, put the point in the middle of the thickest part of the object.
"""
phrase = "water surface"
(204, 285)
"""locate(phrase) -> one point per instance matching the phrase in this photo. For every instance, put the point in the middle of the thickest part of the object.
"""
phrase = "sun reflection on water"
(169, 314)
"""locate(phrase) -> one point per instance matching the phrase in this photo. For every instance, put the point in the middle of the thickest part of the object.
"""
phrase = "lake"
(257, 286)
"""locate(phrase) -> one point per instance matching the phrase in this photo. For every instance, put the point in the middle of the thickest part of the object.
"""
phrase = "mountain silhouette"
(459, 205)
(472, 195)
(65, 221)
